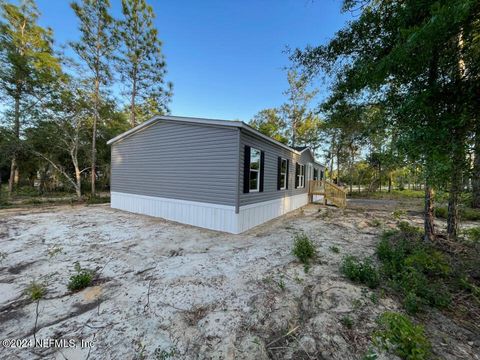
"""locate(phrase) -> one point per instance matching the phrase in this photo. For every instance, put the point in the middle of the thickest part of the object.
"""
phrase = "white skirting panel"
(256, 214)
(206, 215)
(210, 216)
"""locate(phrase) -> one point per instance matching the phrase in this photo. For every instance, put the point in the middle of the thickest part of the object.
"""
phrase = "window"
(300, 176)
(255, 168)
(315, 174)
(283, 173)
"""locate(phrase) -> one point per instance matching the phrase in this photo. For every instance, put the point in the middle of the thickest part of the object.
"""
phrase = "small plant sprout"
(334, 249)
(3, 256)
(347, 321)
(82, 279)
(35, 291)
(54, 250)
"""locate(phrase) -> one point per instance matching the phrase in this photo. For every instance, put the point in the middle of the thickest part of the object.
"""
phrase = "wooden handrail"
(330, 191)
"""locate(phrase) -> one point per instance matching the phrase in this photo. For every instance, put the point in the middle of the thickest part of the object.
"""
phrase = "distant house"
(215, 174)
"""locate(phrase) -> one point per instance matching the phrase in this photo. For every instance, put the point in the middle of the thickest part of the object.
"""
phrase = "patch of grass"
(399, 335)
(91, 200)
(163, 354)
(82, 279)
(347, 321)
(303, 248)
(334, 249)
(465, 213)
(375, 223)
(370, 355)
(398, 213)
(35, 291)
(33, 201)
(364, 272)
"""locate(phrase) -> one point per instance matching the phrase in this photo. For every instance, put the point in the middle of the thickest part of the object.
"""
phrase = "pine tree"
(95, 48)
(141, 63)
(27, 67)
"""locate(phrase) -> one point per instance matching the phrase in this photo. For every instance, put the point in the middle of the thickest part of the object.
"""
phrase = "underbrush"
(421, 274)
(91, 200)
(465, 213)
(399, 335)
(413, 269)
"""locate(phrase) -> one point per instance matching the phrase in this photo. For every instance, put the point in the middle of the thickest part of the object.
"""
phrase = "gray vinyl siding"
(272, 152)
(178, 160)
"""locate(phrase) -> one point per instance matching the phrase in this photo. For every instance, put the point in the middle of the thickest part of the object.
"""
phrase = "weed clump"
(398, 334)
(303, 249)
(35, 291)
(82, 279)
(364, 272)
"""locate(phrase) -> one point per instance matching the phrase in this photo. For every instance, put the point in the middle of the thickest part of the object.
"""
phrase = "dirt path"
(173, 291)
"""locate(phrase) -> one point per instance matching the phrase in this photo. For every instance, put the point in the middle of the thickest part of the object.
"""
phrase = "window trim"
(258, 171)
(301, 176)
(283, 175)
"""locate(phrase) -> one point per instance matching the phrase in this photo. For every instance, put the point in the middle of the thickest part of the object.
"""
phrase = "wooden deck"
(331, 192)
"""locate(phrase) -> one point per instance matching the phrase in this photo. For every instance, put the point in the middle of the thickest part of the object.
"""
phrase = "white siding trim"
(255, 214)
(206, 215)
(210, 216)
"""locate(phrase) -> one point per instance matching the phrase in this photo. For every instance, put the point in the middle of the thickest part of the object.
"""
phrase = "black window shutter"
(279, 174)
(246, 170)
(262, 166)
(288, 175)
(297, 171)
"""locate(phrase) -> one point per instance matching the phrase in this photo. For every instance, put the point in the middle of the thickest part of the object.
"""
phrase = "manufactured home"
(216, 174)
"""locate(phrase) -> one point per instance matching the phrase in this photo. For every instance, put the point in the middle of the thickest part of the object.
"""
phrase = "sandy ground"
(167, 290)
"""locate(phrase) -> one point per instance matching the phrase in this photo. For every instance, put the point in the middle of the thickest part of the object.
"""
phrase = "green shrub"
(303, 248)
(398, 334)
(82, 279)
(409, 231)
(428, 261)
(412, 303)
(363, 272)
(35, 291)
(473, 234)
(469, 214)
(441, 212)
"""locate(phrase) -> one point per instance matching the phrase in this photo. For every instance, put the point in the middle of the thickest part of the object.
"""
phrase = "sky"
(226, 58)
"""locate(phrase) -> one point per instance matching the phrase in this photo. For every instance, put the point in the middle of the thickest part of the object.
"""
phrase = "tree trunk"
(476, 169)
(13, 167)
(389, 183)
(458, 160)
(429, 224)
(132, 100)
(94, 135)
